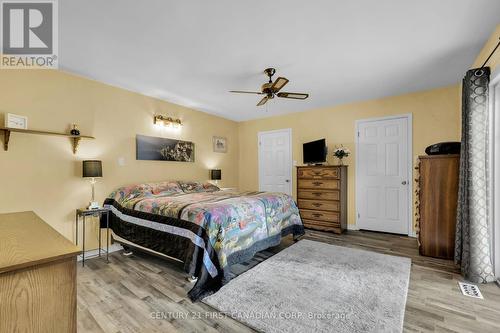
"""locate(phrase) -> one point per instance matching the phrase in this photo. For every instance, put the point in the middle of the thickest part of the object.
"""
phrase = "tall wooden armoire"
(437, 204)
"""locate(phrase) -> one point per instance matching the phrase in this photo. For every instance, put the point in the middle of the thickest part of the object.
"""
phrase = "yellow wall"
(40, 173)
(436, 117)
(485, 52)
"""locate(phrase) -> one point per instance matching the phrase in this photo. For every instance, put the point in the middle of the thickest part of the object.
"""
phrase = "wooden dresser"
(322, 197)
(437, 204)
(37, 276)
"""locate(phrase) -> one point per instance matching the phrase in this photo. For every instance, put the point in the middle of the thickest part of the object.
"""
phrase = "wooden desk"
(37, 276)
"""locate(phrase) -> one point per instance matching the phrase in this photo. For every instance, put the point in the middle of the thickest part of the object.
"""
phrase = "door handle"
(403, 182)
(288, 180)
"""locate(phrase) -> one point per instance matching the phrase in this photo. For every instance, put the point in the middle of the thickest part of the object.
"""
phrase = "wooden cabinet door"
(438, 205)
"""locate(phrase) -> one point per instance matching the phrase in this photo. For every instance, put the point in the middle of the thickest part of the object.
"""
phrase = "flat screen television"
(314, 152)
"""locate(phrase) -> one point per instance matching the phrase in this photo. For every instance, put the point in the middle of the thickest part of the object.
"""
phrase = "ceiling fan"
(271, 89)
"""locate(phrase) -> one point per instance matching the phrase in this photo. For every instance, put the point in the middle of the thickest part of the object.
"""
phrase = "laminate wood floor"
(142, 293)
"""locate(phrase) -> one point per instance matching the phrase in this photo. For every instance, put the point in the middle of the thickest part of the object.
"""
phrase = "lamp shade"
(215, 174)
(92, 169)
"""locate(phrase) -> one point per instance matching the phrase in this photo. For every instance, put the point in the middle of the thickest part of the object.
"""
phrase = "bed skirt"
(187, 243)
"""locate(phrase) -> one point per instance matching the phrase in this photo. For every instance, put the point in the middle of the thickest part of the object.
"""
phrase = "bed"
(206, 228)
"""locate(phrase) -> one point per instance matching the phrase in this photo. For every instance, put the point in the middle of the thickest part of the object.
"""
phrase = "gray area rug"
(316, 287)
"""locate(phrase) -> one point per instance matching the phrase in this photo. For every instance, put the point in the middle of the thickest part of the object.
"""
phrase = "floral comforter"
(206, 228)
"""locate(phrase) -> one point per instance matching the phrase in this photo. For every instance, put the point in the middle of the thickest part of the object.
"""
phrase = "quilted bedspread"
(217, 228)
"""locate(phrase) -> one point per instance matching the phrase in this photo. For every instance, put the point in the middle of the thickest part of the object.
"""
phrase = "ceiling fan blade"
(263, 101)
(292, 95)
(245, 92)
(279, 83)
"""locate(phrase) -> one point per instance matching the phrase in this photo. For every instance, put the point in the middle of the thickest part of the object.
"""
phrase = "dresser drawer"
(328, 184)
(318, 173)
(324, 226)
(320, 215)
(319, 205)
(319, 195)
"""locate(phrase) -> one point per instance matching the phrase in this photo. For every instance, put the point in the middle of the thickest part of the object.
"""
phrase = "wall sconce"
(167, 121)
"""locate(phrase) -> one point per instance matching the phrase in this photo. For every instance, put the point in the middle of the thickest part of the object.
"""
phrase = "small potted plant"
(340, 153)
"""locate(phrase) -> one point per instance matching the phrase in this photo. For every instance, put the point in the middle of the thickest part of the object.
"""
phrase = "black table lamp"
(216, 174)
(92, 170)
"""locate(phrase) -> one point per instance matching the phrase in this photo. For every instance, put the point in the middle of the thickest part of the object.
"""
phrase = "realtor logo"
(29, 34)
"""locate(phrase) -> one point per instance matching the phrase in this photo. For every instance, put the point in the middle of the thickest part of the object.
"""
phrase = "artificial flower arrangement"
(340, 153)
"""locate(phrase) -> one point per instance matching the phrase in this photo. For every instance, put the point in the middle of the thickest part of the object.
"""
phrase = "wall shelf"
(75, 139)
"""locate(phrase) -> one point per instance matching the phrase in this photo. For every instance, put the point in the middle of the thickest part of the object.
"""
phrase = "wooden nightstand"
(84, 212)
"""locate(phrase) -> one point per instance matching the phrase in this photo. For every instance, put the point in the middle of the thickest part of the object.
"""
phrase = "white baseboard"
(355, 227)
(94, 253)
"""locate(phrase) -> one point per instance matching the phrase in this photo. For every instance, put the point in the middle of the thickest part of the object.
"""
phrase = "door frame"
(409, 118)
(259, 152)
(494, 165)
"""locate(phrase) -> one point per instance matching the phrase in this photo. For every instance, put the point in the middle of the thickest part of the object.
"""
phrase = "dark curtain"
(472, 244)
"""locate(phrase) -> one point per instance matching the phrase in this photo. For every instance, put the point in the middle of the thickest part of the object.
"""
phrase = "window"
(495, 167)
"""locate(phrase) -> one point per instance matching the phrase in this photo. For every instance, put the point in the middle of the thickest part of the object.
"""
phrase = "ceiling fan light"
(271, 89)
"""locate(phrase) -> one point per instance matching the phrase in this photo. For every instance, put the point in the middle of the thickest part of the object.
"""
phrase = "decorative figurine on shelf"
(75, 131)
(340, 153)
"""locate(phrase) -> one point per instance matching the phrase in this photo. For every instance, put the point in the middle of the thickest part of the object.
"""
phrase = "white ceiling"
(192, 52)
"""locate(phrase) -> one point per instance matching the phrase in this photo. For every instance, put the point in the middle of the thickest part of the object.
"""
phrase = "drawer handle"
(317, 215)
(316, 204)
(317, 194)
(317, 183)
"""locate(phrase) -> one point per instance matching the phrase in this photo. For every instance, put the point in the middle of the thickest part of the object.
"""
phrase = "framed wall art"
(162, 149)
(220, 144)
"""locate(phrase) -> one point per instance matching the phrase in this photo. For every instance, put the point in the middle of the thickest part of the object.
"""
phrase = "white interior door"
(275, 161)
(383, 166)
